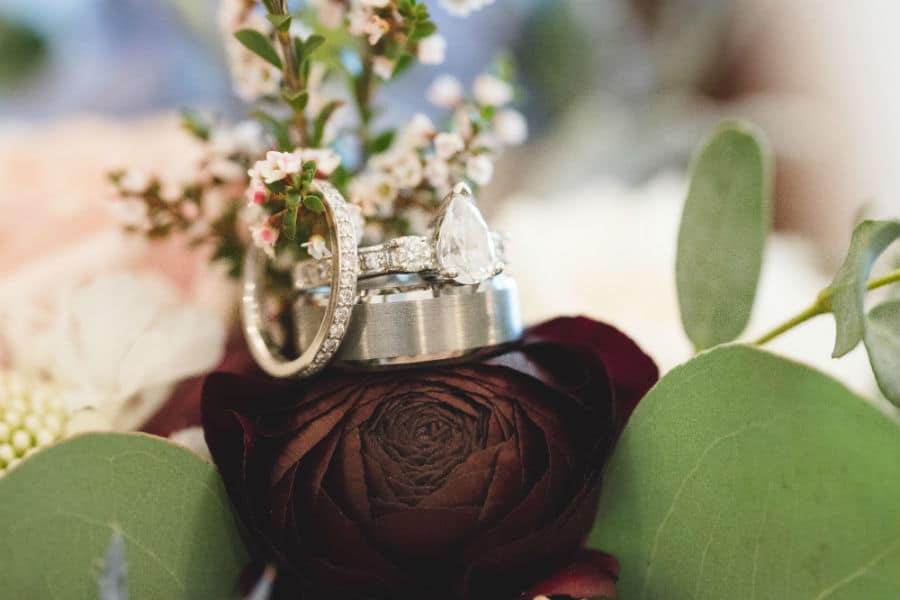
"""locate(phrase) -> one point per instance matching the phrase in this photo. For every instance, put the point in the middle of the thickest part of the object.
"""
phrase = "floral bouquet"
(380, 424)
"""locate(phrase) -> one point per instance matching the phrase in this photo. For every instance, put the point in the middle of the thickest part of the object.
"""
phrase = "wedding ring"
(326, 336)
(406, 319)
(461, 249)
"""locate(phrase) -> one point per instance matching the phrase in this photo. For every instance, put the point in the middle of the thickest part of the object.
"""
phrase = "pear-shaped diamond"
(465, 246)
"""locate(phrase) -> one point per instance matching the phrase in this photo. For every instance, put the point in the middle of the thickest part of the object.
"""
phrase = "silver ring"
(406, 319)
(329, 331)
(461, 249)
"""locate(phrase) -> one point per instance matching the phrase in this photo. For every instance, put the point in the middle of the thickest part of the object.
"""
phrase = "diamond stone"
(465, 246)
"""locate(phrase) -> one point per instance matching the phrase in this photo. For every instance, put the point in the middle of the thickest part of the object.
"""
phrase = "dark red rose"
(471, 481)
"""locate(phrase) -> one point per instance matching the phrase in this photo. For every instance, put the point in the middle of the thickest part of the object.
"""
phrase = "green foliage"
(277, 128)
(313, 202)
(381, 142)
(22, 51)
(280, 22)
(882, 340)
(322, 120)
(289, 222)
(194, 124)
(260, 45)
(848, 290)
(743, 475)
(296, 100)
(62, 505)
(722, 236)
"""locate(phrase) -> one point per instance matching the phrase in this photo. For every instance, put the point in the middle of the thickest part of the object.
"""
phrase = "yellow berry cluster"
(32, 416)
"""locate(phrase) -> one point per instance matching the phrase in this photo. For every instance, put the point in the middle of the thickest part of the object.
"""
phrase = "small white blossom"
(247, 137)
(331, 13)
(376, 3)
(407, 170)
(375, 28)
(264, 237)
(130, 213)
(448, 144)
(374, 193)
(492, 91)
(326, 159)
(171, 192)
(446, 91)
(480, 169)
(462, 8)
(462, 122)
(227, 170)
(432, 50)
(134, 182)
(383, 67)
(511, 127)
(276, 166)
(316, 247)
(437, 172)
(417, 133)
(358, 18)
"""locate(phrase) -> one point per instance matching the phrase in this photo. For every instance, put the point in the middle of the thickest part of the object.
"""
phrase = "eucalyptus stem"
(822, 306)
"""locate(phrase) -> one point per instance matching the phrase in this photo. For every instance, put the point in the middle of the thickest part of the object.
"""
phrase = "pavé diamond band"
(461, 249)
(405, 319)
(328, 333)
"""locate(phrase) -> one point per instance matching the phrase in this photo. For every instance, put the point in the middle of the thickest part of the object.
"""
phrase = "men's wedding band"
(405, 319)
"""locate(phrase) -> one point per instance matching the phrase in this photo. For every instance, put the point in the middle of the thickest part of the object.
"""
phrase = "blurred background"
(617, 93)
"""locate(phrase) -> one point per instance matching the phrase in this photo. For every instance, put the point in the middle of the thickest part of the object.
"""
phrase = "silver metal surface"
(405, 319)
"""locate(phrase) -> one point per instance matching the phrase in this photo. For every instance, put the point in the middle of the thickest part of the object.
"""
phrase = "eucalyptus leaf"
(722, 235)
(61, 506)
(883, 345)
(743, 475)
(848, 290)
(260, 45)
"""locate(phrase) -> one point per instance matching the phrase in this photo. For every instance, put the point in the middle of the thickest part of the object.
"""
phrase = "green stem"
(292, 77)
(363, 93)
(822, 306)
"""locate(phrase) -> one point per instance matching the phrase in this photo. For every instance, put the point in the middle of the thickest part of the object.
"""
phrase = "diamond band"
(461, 250)
(342, 278)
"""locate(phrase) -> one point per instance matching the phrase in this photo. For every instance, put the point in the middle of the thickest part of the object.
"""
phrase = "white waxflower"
(432, 50)
(480, 169)
(316, 247)
(511, 127)
(276, 166)
(130, 212)
(264, 237)
(490, 90)
(246, 137)
(462, 8)
(227, 170)
(375, 28)
(326, 159)
(446, 145)
(446, 91)
(437, 172)
(407, 170)
(374, 193)
(383, 67)
(331, 13)
(134, 182)
(375, 3)
(417, 133)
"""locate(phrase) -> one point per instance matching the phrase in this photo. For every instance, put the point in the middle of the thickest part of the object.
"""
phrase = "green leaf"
(722, 235)
(322, 120)
(743, 475)
(422, 30)
(61, 506)
(313, 43)
(195, 125)
(381, 142)
(404, 62)
(289, 222)
(281, 22)
(883, 345)
(313, 202)
(260, 45)
(296, 100)
(848, 290)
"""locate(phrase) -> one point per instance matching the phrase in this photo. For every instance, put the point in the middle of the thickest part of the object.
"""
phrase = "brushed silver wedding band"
(406, 319)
